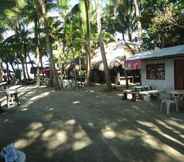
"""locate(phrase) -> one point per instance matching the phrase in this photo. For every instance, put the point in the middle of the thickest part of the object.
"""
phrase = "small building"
(116, 54)
(161, 68)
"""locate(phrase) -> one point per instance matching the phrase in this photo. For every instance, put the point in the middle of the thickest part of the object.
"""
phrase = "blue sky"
(73, 2)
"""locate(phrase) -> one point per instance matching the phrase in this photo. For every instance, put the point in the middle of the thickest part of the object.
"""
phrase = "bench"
(140, 94)
(134, 95)
(11, 96)
(149, 93)
(3, 85)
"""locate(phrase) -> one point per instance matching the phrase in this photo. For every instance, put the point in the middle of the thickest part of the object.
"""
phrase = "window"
(155, 71)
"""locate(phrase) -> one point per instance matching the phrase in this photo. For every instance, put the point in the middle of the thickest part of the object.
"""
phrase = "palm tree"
(101, 43)
(85, 11)
(41, 8)
(30, 12)
(138, 15)
(14, 21)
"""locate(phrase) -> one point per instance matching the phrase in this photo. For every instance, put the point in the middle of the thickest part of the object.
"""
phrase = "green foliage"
(165, 27)
(70, 33)
(63, 4)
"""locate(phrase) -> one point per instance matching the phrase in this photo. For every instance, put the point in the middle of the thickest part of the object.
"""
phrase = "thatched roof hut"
(116, 53)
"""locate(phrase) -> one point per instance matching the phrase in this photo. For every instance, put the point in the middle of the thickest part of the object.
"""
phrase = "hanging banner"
(133, 64)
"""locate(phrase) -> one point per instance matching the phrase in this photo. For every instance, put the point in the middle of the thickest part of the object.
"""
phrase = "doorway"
(179, 74)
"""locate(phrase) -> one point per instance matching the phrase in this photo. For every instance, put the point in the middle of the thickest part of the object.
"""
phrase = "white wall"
(166, 84)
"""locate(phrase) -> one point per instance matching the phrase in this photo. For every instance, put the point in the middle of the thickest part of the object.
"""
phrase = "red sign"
(133, 64)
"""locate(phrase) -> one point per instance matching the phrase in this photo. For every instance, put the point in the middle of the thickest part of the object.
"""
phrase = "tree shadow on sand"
(70, 126)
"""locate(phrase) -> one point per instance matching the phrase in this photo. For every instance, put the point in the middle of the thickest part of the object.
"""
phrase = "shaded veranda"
(87, 125)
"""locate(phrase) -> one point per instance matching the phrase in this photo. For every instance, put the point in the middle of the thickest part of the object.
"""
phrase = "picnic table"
(177, 92)
(149, 92)
(140, 92)
(3, 85)
(2, 88)
(10, 93)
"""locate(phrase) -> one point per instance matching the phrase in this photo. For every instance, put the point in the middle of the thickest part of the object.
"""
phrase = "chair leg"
(12, 99)
(168, 108)
(7, 99)
(17, 99)
(162, 106)
(177, 106)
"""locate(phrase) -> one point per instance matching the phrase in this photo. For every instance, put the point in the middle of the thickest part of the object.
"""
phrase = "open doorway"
(179, 74)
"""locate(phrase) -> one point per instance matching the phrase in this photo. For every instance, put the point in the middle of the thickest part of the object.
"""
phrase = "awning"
(159, 53)
(133, 64)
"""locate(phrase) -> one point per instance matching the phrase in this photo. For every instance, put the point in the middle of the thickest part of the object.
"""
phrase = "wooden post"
(118, 78)
(126, 76)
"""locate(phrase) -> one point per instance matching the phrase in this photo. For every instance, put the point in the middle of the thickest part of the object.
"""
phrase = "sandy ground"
(87, 125)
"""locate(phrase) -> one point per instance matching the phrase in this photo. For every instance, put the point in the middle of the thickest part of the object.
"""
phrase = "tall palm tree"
(85, 11)
(101, 43)
(31, 14)
(138, 15)
(41, 8)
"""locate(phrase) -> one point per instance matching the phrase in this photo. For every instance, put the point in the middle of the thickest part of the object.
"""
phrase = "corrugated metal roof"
(159, 53)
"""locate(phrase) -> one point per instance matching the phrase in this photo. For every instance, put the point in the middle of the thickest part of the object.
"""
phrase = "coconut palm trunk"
(138, 15)
(37, 51)
(101, 43)
(87, 44)
(11, 64)
(53, 82)
(27, 70)
(25, 61)
(23, 69)
(1, 70)
(7, 72)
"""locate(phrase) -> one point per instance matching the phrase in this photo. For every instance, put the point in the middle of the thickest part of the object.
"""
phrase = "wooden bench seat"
(11, 96)
(139, 94)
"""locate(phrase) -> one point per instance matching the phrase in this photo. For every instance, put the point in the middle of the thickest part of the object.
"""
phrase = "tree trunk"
(88, 45)
(37, 51)
(138, 15)
(27, 70)
(7, 72)
(41, 62)
(88, 66)
(22, 59)
(1, 70)
(12, 67)
(106, 69)
(23, 70)
(117, 78)
(25, 60)
(123, 36)
(31, 62)
(126, 79)
(102, 48)
(32, 65)
(54, 82)
(129, 34)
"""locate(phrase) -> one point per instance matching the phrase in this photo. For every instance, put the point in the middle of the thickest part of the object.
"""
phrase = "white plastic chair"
(168, 101)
